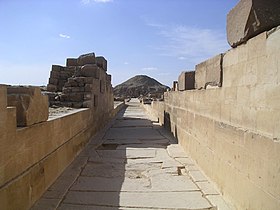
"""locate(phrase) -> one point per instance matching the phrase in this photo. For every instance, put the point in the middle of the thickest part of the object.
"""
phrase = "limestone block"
(101, 62)
(86, 59)
(209, 73)
(88, 87)
(76, 97)
(250, 18)
(32, 107)
(90, 70)
(186, 80)
(72, 62)
(53, 81)
(57, 68)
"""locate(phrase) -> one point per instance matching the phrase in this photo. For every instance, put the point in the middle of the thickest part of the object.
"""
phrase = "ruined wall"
(233, 131)
(80, 83)
(34, 155)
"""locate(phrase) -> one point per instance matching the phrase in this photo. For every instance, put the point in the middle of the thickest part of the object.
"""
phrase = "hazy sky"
(159, 38)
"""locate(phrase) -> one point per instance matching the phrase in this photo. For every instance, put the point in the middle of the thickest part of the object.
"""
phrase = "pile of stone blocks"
(31, 106)
(186, 80)
(59, 76)
(85, 81)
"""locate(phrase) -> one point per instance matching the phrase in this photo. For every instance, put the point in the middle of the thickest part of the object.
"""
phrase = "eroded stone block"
(109, 78)
(101, 62)
(31, 106)
(186, 80)
(72, 62)
(209, 73)
(250, 18)
(86, 59)
(90, 70)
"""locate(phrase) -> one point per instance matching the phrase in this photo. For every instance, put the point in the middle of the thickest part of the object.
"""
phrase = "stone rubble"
(80, 83)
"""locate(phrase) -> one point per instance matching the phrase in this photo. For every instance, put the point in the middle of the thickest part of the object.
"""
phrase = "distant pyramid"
(139, 85)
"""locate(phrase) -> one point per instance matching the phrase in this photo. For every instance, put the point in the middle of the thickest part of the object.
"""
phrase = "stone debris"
(126, 172)
(80, 83)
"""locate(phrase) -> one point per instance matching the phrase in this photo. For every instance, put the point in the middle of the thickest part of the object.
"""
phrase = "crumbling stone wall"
(82, 83)
(35, 149)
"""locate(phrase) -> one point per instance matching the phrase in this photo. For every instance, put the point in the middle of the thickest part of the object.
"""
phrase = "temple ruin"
(225, 115)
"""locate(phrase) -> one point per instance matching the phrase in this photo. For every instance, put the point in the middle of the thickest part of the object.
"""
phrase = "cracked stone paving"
(133, 164)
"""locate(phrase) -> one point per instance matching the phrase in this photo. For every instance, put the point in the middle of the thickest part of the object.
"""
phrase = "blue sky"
(158, 38)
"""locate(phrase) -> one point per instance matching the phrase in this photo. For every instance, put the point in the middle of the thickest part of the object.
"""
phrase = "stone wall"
(33, 155)
(233, 131)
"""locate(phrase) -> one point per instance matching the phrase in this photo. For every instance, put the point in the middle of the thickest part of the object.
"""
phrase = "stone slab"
(71, 62)
(168, 200)
(250, 18)
(185, 161)
(111, 184)
(90, 70)
(31, 106)
(127, 154)
(168, 183)
(122, 141)
(107, 160)
(106, 170)
(132, 133)
(132, 123)
(101, 62)
(86, 59)
(186, 80)
(137, 146)
(176, 151)
(209, 73)
(197, 176)
(217, 200)
(207, 188)
(93, 207)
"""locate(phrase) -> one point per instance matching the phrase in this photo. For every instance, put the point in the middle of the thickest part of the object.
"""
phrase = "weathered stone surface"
(90, 70)
(72, 62)
(209, 73)
(207, 188)
(86, 59)
(250, 18)
(186, 80)
(57, 68)
(51, 88)
(131, 133)
(176, 151)
(168, 200)
(101, 62)
(109, 78)
(32, 107)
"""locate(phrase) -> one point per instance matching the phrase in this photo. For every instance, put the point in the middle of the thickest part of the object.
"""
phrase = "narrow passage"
(137, 166)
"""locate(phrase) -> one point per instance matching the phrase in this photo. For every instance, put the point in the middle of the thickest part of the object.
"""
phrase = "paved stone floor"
(137, 166)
